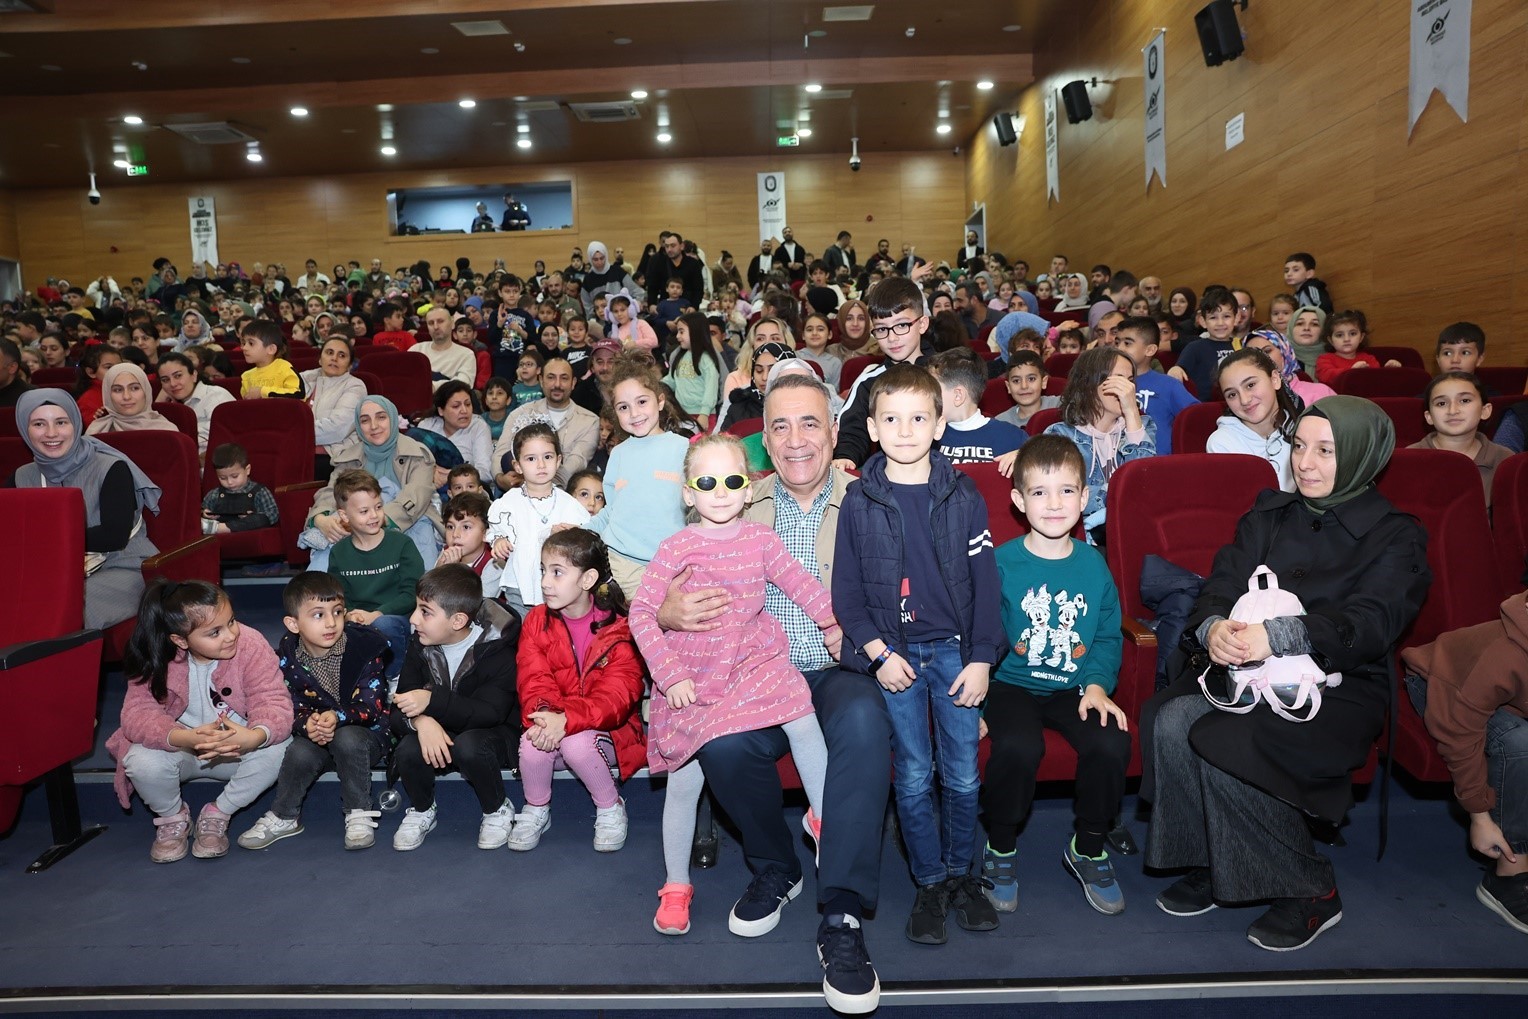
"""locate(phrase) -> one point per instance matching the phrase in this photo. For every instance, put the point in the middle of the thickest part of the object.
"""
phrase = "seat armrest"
(1138, 633)
(190, 548)
(17, 655)
(301, 486)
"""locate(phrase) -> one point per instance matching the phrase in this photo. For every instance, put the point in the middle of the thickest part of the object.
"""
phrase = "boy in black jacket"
(456, 703)
(898, 320)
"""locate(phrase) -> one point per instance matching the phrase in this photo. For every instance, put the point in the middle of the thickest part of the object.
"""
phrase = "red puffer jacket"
(603, 698)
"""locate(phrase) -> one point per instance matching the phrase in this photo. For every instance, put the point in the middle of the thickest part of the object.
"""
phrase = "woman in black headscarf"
(1234, 792)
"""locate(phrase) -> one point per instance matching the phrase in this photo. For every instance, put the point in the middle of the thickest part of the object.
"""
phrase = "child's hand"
(845, 464)
(228, 739)
(1393, 363)
(434, 745)
(681, 694)
(363, 616)
(833, 640)
(1005, 463)
(331, 526)
(502, 547)
(1094, 699)
(1363, 364)
(449, 554)
(412, 703)
(207, 514)
(254, 393)
(1122, 391)
(550, 728)
(970, 687)
(441, 476)
(895, 674)
(222, 528)
(99, 413)
(981, 728)
(561, 527)
(1178, 373)
(1486, 838)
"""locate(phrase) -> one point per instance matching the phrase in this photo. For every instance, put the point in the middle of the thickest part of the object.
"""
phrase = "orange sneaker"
(674, 909)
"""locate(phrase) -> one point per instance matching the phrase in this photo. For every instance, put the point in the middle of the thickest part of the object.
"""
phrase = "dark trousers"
(479, 754)
(1016, 724)
(741, 772)
(352, 753)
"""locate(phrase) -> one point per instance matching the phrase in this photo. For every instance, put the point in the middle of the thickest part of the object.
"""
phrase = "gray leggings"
(157, 775)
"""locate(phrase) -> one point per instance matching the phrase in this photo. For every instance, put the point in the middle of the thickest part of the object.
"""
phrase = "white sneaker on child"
(610, 828)
(530, 825)
(268, 830)
(415, 826)
(361, 828)
(496, 827)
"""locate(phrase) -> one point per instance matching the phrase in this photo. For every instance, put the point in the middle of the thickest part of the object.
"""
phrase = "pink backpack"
(1288, 684)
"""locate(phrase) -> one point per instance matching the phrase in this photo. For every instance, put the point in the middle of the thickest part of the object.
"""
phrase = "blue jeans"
(396, 629)
(940, 843)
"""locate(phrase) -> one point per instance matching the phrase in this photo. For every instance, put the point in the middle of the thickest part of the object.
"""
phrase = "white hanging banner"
(1155, 57)
(1052, 164)
(1440, 56)
(204, 230)
(771, 205)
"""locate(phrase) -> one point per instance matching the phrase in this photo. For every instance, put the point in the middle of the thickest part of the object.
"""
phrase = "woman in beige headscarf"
(127, 403)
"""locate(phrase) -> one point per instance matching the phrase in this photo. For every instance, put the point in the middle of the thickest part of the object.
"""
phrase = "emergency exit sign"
(138, 170)
(787, 141)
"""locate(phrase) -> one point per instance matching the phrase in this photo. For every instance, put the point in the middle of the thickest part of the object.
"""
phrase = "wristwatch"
(880, 659)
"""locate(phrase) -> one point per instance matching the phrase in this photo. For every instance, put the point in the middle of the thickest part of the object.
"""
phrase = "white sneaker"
(495, 829)
(415, 826)
(361, 828)
(529, 827)
(269, 829)
(610, 828)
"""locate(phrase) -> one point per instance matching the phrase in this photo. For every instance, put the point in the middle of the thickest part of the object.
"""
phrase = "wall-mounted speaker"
(1219, 34)
(1006, 135)
(1074, 94)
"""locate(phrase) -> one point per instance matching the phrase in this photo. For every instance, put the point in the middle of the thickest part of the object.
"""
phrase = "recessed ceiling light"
(523, 143)
(132, 118)
(299, 111)
(466, 104)
(984, 85)
(814, 87)
(388, 150)
(1012, 28)
(121, 164)
(523, 128)
(521, 99)
(384, 107)
(622, 41)
(818, 33)
(664, 137)
(639, 93)
(519, 46)
(804, 132)
(240, 60)
(943, 129)
(253, 155)
(943, 114)
(429, 51)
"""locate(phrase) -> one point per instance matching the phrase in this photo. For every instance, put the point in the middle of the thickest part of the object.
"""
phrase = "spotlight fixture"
(519, 46)
(252, 152)
(132, 119)
(639, 93)
(803, 132)
(121, 164)
(664, 137)
(524, 142)
(466, 104)
(388, 150)
(943, 128)
(984, 85)
(813, 87)
(523, 128)
(299, 111)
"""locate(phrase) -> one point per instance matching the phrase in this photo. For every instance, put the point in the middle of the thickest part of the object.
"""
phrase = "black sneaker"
(849, 981)
(932, 905)
(1120, 839)
(1507, 897)
(758, 911)
(1291, 924)
(1190, 895)
(971, 907)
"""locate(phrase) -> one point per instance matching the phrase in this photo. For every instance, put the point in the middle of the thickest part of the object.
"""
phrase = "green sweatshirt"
(1062, 617)
(381, 580)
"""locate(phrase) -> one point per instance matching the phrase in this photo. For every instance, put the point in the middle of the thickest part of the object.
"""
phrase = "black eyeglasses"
(897, 328)
(708, 482)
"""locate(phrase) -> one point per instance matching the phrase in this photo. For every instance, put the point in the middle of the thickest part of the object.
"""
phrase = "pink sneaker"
(170, 841)
(812, 825)
(674, 909)
(211, 833)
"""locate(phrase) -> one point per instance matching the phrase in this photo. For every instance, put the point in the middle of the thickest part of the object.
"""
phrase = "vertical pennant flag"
(204, 229)
(1052, 164)
(771, 204)
(1155, 56)
(1440, 56)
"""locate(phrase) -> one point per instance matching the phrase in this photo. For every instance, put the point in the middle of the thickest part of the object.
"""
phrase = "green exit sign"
(138, 170)
(787, 141)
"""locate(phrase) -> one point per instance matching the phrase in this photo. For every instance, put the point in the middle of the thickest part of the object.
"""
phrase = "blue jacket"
(868, 569)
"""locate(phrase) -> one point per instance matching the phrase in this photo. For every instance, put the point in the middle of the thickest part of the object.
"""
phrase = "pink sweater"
(743, 676)
(251, 684)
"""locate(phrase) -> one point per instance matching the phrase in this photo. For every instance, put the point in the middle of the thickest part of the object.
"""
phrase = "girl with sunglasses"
(735, 677)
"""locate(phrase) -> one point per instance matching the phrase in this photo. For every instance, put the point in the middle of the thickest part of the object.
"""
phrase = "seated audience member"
(1471, 687)
(464, 478)
(898, 322)
(194, 331)
(1008, 327)
(815, 334)
(269, 374)
(589, 391)
(449, 360)
(238, 503)
(1347, 339)
(456, 704)
(179, 382)
(1280, 310)
(746, 403)
(1300, 276)
(497, 402)
(1461, 348)
(334, 670)
(1455, 404)
(1183, 308)
(465, 515)
(578, 430)
(1068, 338)
(88, 387)
(626, 329)
(1160, 396)
(13, 381)
(969, 435)
(527, 385)
(1307, 335)
(333, 394)
(378, 567)
(1262, 414)
(392, 333)
(854, 339)
(456, 419)
(126, 405)
(1200, 358)
(1282, 353)
(116, 494)
(1025, 379)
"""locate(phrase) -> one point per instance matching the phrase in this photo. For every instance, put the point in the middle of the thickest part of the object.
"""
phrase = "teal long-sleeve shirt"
(382, 579)
(643, 500)
(1062, 617)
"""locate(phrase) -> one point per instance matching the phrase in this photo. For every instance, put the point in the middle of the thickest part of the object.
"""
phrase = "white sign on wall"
(1236, 131)
(1440, 56)
(1155, 58)
(204, 229)
(771, 204)
(1052, 163)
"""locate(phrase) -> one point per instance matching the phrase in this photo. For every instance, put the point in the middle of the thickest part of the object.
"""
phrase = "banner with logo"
(1155, 57)
(1052, 163)
(771, 205)
(1440, 56)
(204, 230)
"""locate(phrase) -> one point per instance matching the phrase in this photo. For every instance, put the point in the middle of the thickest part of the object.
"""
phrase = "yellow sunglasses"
(708, 482)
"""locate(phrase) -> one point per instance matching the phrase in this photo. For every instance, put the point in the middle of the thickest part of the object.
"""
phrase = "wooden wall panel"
(1415, 231)
(914, 197)
(10, 246)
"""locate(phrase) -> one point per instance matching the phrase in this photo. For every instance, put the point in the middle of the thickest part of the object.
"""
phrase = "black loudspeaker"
(1078, 106)
(1219, 34)
(1005, 132)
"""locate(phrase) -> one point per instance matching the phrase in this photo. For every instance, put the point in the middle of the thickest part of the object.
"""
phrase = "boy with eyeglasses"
(898, 322)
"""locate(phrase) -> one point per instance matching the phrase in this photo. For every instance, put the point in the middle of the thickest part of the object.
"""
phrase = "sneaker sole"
(1306, 943)
(1173, 912)
(763, 925)
(1496, 906)
(272, 840)
(1087, 893)
(609, 847)
(806, 826)
(1002, 906)
(851, 1004)
(351, 847)
(672, 932)
(171, 859)
(416, 845)
(933, 939)
(202, 854)
(517, 847)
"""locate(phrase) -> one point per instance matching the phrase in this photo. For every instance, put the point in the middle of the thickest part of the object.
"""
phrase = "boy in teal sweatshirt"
(378, 567)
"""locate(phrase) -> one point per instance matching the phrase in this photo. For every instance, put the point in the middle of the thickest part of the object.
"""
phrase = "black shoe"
(703, 850)
(971, 907)
(849, 981)
(758, 911)
(1291, 924)
(926, 924)
(1121, 841)
(1190, 895)
(1507, 897)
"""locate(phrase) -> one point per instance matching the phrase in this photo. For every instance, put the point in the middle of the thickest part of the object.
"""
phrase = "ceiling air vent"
(216, 133)
(605, 113)
(856, 12)
(472, 29)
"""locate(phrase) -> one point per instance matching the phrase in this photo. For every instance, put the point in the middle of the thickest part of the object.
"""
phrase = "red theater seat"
(1194, 425)
(278, 435)
(179, 415)
(1405, 412)
(1409, 357)
(995, 399)
(852, 370)
(1372, 382)
(1040, 420)
(1509, 521)
(405, 381)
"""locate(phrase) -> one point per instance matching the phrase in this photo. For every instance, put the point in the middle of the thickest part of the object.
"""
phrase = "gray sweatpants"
(157, 775)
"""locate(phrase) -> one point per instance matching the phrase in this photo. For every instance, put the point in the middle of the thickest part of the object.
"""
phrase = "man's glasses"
(708, 482)
(897, 328)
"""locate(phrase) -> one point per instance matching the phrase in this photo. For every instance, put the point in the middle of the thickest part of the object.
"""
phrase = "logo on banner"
(1435, 35)
(1156, 111)
(1440, 56)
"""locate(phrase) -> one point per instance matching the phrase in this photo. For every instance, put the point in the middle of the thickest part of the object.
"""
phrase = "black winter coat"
(484, 696)
(1361, 572)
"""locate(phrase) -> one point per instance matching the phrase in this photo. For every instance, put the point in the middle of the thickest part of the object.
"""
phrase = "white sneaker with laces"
(361, 828)
(530, 825)
(269, 829)
(415, 826)
(495, 830)
(610, 828)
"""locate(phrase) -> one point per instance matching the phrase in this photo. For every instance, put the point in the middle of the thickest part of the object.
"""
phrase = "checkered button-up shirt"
(798, 529)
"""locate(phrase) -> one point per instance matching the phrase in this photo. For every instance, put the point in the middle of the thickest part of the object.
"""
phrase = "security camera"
(94, 193)
(854, 159)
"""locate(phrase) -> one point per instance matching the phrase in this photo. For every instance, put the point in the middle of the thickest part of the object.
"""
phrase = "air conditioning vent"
(856, 12)
(472, 29)
(217, 133)
(605, 113)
